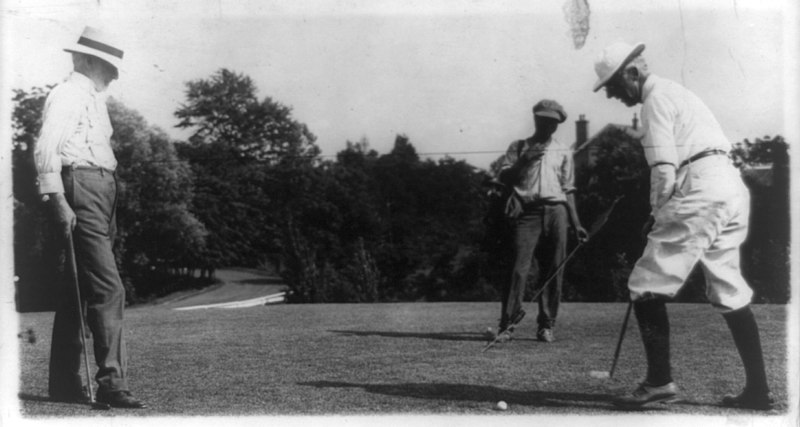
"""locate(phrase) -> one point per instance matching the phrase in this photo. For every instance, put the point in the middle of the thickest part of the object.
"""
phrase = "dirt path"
(238, 284)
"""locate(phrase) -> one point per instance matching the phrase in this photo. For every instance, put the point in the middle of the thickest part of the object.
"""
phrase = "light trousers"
(704, 221)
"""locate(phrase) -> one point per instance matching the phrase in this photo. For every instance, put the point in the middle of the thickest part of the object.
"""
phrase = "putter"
(599, 223)
(610, 374)
(74, 272)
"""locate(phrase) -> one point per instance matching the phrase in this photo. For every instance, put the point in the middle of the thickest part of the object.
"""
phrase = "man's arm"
(662, 185)
(509, 168)
(567, 180)
(658, 117)
(60, 117)
(517, 159)
(574, 219)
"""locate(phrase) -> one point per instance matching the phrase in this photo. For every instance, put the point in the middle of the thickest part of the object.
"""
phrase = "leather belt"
(703, 154)
(86, 168)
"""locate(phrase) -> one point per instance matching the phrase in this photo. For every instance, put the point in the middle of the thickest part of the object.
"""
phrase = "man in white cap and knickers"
(700, 210)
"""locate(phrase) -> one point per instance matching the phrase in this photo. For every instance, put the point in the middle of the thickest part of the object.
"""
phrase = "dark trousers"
(92, 195)
(540, 245)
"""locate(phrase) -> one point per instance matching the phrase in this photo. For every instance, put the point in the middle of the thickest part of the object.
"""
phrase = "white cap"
(612, 59)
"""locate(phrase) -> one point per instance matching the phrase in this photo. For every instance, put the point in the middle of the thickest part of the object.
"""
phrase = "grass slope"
(422, 358)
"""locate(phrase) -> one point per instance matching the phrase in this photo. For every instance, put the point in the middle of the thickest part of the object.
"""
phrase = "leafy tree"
(765, 253)
(34, 241)
(762, 151)
(248, 157)
(224, 109)
(599, 271)
(154, 189)
(157, 235)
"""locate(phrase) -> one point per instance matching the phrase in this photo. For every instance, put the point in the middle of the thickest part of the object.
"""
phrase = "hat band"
(101, 47)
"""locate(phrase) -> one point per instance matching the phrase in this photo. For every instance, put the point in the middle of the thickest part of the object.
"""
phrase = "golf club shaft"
(596, 229)
(74, 271)
(558, 270)
(619, 341)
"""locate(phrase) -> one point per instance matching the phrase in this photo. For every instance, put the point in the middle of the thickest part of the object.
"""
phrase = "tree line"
(249, 188)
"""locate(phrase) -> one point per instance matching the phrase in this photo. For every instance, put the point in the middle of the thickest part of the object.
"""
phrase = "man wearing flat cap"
(700, 209)
(540, 171)
(75, 166)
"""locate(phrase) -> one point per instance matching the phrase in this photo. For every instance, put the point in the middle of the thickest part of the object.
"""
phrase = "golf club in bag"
(596, 227)
(72, 265)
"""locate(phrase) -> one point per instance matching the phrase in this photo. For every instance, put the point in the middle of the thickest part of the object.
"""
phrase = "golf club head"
(600, 374)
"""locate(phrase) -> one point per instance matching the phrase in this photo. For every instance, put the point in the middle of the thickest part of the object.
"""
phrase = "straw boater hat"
(612, 59)
(99, 44)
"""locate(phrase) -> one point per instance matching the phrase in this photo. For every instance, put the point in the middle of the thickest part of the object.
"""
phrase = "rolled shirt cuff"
(50, 183)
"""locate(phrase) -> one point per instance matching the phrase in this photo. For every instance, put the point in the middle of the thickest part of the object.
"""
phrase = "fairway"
(405, 358)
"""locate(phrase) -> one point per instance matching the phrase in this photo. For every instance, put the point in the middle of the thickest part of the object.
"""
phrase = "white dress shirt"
(76, 130)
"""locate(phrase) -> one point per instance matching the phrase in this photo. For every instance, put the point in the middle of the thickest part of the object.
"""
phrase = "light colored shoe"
(647, 393)
(545, 335)
(506, 336)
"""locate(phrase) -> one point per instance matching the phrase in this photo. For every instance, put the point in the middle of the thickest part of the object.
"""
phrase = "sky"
(457, 77)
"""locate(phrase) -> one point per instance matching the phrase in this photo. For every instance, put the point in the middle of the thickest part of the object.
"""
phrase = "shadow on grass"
(445, 336)
(34, 398)
(479, 393)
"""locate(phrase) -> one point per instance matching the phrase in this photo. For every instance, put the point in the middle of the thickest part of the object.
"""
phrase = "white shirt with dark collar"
(76, 130)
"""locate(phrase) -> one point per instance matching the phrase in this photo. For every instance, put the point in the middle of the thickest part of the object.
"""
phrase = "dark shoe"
(647, 393)
(119, 399)
(516, 318)
(510, 323)
(78, 396)
(545, 335)
(749, 400)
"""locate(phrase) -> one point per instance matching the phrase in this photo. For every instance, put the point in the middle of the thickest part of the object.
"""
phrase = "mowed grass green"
(405, 358)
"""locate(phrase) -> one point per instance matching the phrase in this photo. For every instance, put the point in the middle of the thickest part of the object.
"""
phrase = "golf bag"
(498, 225)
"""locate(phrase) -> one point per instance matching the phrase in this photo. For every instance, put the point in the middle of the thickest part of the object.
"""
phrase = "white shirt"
(550, 178)
(677, 125)
(75, 130)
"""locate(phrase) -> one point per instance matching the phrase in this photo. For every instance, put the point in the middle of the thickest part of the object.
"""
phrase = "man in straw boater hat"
(700, 209)
(540, 172)
(75, 166)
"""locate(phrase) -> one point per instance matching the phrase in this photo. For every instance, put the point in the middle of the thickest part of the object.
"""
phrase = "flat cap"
(550, 108)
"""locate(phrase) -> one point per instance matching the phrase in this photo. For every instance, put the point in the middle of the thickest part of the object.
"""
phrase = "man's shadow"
(444, 336)
(489, 394)
(34, 398)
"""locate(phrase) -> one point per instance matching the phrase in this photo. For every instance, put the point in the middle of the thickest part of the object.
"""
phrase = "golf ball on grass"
(501, 406)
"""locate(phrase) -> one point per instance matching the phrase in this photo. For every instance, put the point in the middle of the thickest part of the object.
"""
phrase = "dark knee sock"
(654, 327)
(744, 329)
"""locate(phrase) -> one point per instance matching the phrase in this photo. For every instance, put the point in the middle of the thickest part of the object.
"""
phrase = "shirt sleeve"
(511, 156)
(662, 185)
(567, 175)
(59, 118)
(658, 118)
